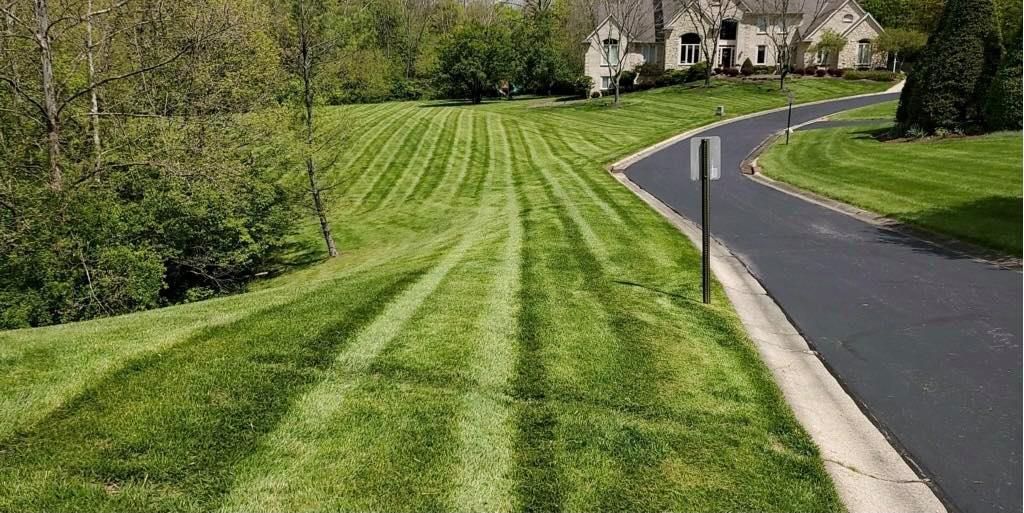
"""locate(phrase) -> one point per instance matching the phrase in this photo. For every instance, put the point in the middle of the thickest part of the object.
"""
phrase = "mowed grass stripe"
(480, 163)
(390, 172)
(370, 148)
(532, 141)
(162, 433)
(485, 428)
(439, 168)
(453, 180)
(416, 166)
(281, 472)
(379, 166)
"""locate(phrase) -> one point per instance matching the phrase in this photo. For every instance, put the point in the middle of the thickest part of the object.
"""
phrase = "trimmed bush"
(627, 81)
(836, 72)
(820, 72)
(732, 72)
(1003, 110)
(748, 68)
(582, 84)
(876, 76)
(697, 72)
(948, 86)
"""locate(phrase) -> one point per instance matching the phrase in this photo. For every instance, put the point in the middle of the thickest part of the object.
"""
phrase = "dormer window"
(847, 18)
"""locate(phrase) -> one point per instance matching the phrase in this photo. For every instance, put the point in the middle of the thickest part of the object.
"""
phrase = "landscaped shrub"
(1003, 109)
(649, 74)
(697, 72)
(836, 72)
(627, 81)
(764, 70)
(820, 72)
(595, 94)
(732, 72)
(809, 71)
(948, 86)
(877, 76)
(672, 77)
(748, 68)
(582, 85)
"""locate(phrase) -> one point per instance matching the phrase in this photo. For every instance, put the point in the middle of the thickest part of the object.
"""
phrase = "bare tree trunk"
(94, 105)
(50, 108)
(307, 83)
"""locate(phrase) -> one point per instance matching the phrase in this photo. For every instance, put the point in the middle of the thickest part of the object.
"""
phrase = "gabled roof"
(870, 19)
(644, 32)
(807, 9)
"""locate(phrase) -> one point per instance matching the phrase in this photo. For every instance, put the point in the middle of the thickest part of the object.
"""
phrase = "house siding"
(746, 42)
(593, 60)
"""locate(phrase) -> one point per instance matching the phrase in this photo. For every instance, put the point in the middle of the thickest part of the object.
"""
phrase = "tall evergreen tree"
(947, 88)
(1003, 109)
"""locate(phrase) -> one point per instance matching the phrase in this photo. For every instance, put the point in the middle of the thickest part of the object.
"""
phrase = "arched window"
(611, 51)
(689, 48)
(864, 53)
(847, 18)
(728, 31)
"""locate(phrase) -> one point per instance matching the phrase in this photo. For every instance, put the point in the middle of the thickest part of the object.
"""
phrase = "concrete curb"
(869, 473)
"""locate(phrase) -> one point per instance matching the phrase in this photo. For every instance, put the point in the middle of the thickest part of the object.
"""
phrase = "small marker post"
(705, 166)
(789, 117)
(705, 218)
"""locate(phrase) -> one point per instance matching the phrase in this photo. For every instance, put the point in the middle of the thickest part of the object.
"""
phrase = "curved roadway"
(926, 339)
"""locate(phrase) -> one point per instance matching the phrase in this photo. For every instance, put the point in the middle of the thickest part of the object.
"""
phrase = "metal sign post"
(789, 117)
(705, 165)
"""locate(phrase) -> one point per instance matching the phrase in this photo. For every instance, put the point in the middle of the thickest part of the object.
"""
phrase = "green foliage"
(876, 76)
(831, 42)
(747, 68)
(474, 59)
(902, 44)
(1003, 110)
(946, 89)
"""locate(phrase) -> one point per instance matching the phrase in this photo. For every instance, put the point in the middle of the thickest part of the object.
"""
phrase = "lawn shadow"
(656, 290)
(969, 235)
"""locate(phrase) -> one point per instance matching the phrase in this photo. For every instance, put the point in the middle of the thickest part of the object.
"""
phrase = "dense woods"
(156, 152)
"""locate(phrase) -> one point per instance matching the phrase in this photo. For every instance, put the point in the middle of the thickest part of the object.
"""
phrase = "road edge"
(869, 473)
(753, 170)
(622, 164)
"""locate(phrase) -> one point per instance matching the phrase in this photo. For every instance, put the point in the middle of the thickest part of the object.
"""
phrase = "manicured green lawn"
(508, 329)
(884, 110)
(968, 188)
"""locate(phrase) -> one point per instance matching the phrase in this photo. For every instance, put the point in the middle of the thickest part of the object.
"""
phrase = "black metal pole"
(705, 226)
(789, 120)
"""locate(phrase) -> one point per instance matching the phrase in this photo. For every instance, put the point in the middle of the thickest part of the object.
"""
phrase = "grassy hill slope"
(507, 329)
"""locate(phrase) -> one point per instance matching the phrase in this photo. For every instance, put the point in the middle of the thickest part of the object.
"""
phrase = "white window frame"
(761, 56)
(689, 53)
(762, 25)
(606, 52)
(863, 51)
(606, 83)
(822, 57)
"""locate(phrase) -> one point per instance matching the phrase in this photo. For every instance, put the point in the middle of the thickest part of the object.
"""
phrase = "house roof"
(814, 14)
(644, 32)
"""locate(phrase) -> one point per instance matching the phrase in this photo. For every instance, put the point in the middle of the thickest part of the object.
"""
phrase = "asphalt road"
(926, 339)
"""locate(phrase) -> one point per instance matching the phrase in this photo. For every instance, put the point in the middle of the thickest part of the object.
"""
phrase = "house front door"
(727, 57)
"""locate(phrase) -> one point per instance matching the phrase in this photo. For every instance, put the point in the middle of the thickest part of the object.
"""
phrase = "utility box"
(720, 110)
